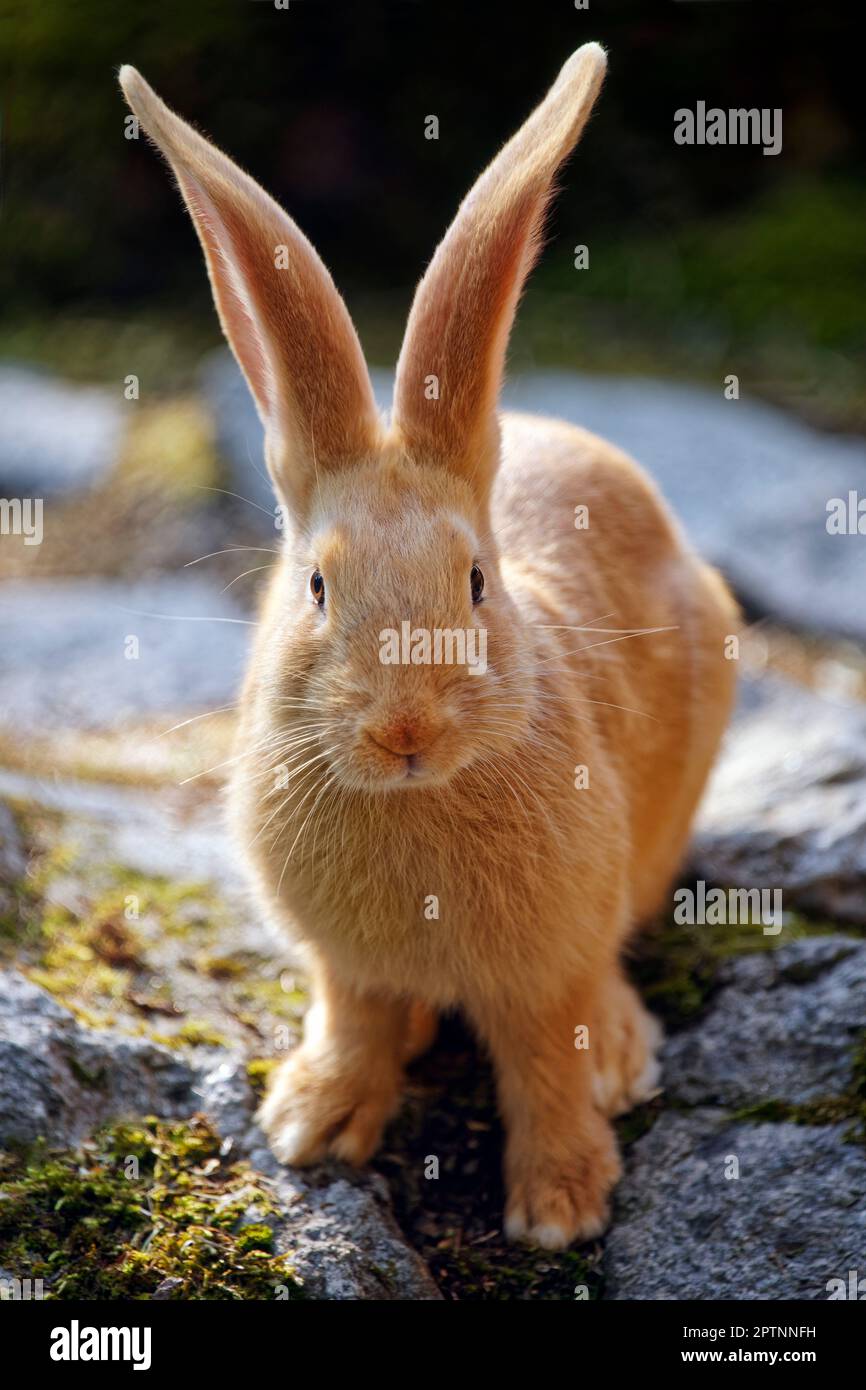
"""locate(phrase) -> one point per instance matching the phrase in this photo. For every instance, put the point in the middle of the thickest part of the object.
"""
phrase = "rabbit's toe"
(554, 1202)
(313, 1110)
(626, 1070)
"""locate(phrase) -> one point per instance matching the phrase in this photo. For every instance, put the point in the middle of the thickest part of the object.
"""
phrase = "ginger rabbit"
(438, 835)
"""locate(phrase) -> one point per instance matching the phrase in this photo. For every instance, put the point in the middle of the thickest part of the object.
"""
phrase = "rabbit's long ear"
(277, 304)
(464, 306)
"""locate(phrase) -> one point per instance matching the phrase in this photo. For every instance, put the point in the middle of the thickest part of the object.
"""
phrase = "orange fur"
(364, 791)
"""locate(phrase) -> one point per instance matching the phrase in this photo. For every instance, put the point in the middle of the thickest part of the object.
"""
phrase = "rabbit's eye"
(476, 583)
(317, 588)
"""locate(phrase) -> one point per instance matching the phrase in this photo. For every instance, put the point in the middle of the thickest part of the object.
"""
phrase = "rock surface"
(794, 1219)
(69, 641)
(784, 1027)
(55, 438)
(749, 482)
(60, 1080)
(786, 806)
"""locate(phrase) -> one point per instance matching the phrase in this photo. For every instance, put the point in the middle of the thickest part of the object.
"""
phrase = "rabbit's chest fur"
(441, 896)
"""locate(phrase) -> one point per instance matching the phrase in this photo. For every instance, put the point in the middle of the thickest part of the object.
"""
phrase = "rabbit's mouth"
(389, 759)
(396, 767)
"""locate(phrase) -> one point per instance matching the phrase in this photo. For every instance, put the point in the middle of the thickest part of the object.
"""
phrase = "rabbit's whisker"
(188, 618)
(221, 709)
(247, 753)
(255, 570)
(205, 487)
(638, 632)
(283, 804)
(232, 550)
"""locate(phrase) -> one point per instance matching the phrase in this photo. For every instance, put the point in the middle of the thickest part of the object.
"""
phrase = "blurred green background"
(702, 260)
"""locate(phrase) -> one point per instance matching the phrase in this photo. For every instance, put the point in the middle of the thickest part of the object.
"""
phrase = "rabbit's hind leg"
(422, 1024)
(626, 1069)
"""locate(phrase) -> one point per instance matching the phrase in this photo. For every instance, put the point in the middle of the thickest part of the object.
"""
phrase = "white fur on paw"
(549, 1236)
(612, 1094)
(290, 1142)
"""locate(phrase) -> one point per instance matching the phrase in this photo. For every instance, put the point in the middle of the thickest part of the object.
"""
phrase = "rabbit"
(434, 835)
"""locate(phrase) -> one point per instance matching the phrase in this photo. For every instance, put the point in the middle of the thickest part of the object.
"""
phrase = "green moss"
(111, 943)
(169, 447)
(139, 1204)
(223, 967)
(259, 1071)
(824, 1110)
(197, 1033)
(267, 993)
(182, 907)
(676, 967)
(93, 960)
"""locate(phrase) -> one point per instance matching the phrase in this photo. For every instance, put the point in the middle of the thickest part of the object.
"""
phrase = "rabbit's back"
(597, 562)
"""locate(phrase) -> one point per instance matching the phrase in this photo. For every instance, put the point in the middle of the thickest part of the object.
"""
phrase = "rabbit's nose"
(403, 735)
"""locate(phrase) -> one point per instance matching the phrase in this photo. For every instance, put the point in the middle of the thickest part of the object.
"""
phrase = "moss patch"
(140, 1205)
(95, 958)
(147, 954)
(825, 1110)
(259, 1070)
(676, 967)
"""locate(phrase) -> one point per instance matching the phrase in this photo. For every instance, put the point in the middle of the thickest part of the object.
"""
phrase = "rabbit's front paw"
(316, 1107)
(561, 1195)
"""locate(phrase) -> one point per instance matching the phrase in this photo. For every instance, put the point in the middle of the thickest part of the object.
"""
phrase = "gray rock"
(13, 859)
(55, 438)
(59, 1080)
(782, 1027)
(340, 1231)
(224, 1094)
(345, 1243)
(786, 805)
(794, 1218)
(750, 483)
(67, 642)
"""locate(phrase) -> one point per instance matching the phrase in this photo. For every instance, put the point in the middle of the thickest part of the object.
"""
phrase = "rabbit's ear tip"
(588, 54)
(131, 82)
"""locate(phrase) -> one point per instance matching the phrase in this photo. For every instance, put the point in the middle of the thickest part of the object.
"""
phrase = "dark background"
(697, 255)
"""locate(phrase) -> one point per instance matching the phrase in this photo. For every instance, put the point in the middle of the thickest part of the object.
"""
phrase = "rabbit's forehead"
(384, 538)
